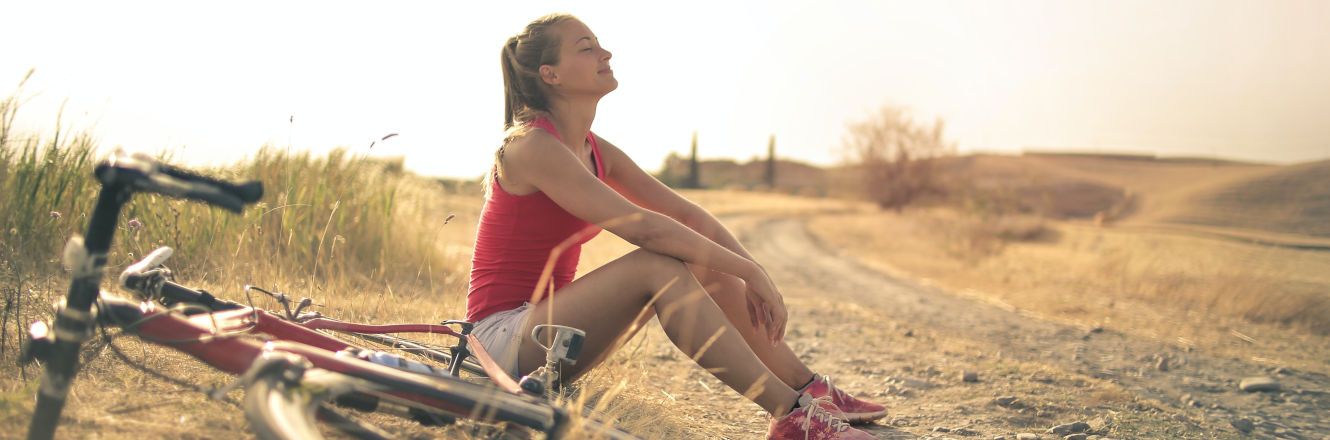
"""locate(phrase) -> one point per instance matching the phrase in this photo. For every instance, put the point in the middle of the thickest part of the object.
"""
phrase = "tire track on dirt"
(1201, 385)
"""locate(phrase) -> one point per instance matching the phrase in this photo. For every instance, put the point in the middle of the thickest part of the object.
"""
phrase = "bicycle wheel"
(278, 409)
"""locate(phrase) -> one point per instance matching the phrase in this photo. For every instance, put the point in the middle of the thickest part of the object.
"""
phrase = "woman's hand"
(766, 306)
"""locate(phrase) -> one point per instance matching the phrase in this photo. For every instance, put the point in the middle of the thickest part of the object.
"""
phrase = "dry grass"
(1183, 289)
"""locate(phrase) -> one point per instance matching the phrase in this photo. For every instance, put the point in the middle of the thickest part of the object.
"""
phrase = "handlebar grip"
(175, 293)
(246, 192)
(215, 196)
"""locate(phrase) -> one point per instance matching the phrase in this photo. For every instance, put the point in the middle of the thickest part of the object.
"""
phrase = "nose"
(608, 55)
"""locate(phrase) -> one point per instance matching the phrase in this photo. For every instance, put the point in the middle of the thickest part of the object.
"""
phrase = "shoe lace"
(816, 411)
(842, 395)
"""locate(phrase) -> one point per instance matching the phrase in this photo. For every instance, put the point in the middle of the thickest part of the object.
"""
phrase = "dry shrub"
(895, 157)
(973, 238)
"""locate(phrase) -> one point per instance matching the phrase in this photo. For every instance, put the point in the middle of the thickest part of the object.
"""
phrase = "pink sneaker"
(854, 410)
(815, 420)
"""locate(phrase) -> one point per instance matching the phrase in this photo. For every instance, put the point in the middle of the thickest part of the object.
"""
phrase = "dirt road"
(906, 344)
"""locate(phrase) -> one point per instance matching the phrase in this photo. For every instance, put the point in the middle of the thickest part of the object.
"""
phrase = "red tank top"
(514, 240)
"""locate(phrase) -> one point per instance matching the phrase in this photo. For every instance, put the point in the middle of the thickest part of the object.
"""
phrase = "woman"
(555, 184)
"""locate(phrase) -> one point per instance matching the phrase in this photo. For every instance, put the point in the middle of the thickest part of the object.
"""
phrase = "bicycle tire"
(279, 410)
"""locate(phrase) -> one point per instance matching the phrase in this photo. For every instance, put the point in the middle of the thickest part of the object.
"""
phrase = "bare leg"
(608, 301)
(728, 292)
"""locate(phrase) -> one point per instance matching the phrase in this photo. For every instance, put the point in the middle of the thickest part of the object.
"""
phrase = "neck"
(573, 117)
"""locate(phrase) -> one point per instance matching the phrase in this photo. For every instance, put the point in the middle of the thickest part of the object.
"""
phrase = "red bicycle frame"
(211, 338)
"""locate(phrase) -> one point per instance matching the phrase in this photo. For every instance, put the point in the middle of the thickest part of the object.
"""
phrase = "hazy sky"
(1246, 80)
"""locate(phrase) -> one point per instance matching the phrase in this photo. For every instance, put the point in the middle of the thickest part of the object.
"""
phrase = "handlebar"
(144, 173)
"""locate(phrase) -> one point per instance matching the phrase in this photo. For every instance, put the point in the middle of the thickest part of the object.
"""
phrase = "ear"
(549, 76)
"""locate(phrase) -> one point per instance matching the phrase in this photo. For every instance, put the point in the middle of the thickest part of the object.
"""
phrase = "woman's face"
(584, 66)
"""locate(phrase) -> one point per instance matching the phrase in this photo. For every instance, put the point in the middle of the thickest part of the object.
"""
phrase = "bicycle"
(289, 379)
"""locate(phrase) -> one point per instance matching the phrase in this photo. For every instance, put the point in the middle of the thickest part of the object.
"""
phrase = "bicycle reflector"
(38, 344)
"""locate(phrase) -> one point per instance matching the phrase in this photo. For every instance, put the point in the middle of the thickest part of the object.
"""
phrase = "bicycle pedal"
(566, 345)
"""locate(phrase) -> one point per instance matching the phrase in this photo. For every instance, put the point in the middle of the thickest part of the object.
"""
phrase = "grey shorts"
(501, 334)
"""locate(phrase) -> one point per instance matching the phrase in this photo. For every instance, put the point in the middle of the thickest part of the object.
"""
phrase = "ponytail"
(512, 103)
(524, 93)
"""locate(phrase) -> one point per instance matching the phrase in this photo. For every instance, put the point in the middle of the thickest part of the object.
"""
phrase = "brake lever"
(304, 302)
(280, 297)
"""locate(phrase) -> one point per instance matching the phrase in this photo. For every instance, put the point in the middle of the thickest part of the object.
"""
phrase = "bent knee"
(655, 267)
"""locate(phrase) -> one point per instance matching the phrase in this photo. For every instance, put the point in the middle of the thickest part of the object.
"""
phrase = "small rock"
(1074, 437)
(999, 438)
(1070, 428)
(1260, 383)
(1244, 425)
(1179, 418)
(969, 376)
(1282, 371)
(1162, 365)
(908, 382)
(1005, 401)
(940, 429)
(1027, 436)
(909, 333)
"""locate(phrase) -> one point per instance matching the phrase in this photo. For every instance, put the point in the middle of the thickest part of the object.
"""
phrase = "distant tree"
(771, 162)
(672, 172)
(896, 155)
(694, 173)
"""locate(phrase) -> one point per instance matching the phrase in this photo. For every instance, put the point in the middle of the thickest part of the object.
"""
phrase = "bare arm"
(644, 190)
(540, 160)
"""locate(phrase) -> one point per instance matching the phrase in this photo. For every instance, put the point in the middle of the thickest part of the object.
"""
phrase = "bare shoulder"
(533, 145)
(610, 154)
